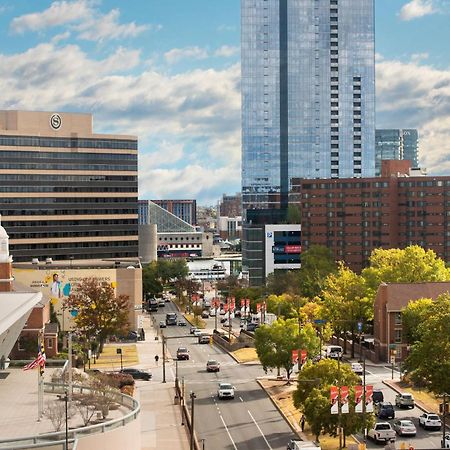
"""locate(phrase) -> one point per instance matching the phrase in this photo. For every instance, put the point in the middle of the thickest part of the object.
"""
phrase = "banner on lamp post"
(344, 400)
(303, 356)
(294, 356)
(358, 399)
(369, 398)
(242, 303)
(258, 307)
(334, 395)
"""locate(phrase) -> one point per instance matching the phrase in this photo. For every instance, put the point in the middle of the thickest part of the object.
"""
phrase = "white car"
(446, 443)
(427, 420)
(357, 368)
(226, 390)
(197, 332)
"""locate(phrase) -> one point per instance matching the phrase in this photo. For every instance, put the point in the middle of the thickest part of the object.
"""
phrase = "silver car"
(405, 428)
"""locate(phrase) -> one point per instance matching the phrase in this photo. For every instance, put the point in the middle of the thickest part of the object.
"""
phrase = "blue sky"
(168, 71)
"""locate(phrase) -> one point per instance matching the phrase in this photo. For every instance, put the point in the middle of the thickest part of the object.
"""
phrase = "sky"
(169, 72)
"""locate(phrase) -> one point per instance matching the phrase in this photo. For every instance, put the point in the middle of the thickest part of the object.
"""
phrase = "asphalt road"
(249, 421)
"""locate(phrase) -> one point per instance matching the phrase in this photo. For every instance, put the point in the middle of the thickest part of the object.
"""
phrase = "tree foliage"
(283, 282)
(158, 274)
(317, 263)
(410, 265)
(312, 396)
(429, 358)
(99, 311)
(274, 343)
(412, 316)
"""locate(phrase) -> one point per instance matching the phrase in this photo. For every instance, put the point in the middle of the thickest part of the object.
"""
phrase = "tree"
(151, 281)
(282, 282)
(274, 343)
(345, 302)
(317, 263)
(312, 396)
(281, 305)
(99, 311)
(410, 265)
(412, 316)
(429, 358)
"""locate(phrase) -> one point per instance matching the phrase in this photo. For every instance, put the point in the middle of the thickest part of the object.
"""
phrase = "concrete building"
(183, 209)
(354, 216)
(308, 94)
(396, 144)
(65, 191)
(391, 298)
(230, 205)
(229, 227)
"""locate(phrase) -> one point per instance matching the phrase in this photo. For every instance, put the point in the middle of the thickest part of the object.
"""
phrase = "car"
(405, 428)
(133, 336)
(137, 374)
(192, 330)
(205, 314)
(404, 400)
(182, 353)
(428, 420)
(382, 432)
(222, 312)
(212, 312)
(334, 351)
(385, 410)
(197, 332)
(296, 444)
(212, 365)
(377, 396)
(223, 319)
(237, 313)
(181, 323)
(162, 324)
(357, 368)
(445, 443)
(161, 302)
(225, 390)
(252, 326)
(204, 338)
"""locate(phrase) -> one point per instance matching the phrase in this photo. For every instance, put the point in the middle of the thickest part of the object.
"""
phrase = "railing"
(57, 438)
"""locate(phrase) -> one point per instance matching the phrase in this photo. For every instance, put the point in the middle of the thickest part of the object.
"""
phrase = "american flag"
(39, 361)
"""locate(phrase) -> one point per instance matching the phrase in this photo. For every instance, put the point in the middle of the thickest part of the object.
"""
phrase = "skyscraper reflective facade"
(308, 94)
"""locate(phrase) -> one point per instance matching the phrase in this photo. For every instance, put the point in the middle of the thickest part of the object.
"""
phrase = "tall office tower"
(396, 144)
(308, 94)
(65, 192)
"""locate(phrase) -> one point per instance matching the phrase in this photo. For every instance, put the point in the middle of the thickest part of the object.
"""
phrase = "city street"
(249, 421)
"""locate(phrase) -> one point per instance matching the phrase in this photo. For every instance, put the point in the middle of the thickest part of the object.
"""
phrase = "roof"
(51, 328)
(14, 305)
(398, 295)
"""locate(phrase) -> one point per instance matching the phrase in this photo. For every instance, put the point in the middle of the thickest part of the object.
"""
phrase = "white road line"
(228, 432)
(257, 426)
(240, 398)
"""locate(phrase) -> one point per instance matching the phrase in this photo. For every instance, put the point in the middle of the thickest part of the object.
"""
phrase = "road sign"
(392, 359)
(320, 321)
(360, 325)
(392, 346)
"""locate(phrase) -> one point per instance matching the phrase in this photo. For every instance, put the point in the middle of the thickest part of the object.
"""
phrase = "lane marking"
(262, 434)
(228, 431)
(240, 398)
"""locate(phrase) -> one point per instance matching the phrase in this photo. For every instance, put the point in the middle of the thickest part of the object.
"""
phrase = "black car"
(385, 410)
(137, 374)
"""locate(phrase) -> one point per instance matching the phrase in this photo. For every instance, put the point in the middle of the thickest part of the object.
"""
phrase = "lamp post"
(67, 422)
(193, 397)
(164, 356)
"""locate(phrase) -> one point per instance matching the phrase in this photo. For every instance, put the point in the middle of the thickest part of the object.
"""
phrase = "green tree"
(282, 282)
(274, 343)
(317, 263)
(429, 358)
(281, 305)
(312, 396)
(99, 311)
(412, 316)
(345, 303)
(151, 281)
(410, 265)
(157, 274)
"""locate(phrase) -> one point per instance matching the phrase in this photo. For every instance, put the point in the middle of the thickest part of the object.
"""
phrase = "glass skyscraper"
(308, 94)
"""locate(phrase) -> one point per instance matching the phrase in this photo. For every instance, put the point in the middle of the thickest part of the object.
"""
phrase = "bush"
(116, 380)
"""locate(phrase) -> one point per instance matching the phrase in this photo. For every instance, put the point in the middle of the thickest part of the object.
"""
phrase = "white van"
(333, 351)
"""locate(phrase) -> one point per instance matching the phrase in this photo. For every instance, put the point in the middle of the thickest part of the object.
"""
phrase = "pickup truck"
(382, 432)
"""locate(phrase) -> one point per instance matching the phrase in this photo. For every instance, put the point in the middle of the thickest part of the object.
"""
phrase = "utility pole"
(193, 397)
(67, 421)
(339, 403)
(444, 414)
(164, 356)
(364, 395)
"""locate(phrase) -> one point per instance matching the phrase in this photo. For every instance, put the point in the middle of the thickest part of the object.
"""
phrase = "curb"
(396, 389)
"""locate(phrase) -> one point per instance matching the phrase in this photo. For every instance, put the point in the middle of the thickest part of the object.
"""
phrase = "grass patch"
(246, 355)
(428, 400)
(196, 321)
(110, 359)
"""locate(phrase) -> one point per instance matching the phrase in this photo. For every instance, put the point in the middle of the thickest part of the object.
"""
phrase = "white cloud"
(413, 95)
(80, 16)
(60, 37)
(226, 51)
(176, 54)
(417, 8)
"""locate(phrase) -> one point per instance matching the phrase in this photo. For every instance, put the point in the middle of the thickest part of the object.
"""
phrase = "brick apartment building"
(353, 216)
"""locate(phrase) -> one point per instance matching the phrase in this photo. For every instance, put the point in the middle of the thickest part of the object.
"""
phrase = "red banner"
(303, 356)
(358, 399)
(242, 303)
(293, 249)
(247, 303)
(369, 398)
(232, 307)
(344, 399)
(225, 307)
(294, 356)
(334, 394)
(258, 307)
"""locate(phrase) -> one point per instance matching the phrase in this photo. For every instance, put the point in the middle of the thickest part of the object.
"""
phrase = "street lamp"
(193, 397)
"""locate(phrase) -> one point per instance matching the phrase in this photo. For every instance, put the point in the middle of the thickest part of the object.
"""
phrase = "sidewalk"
(160, 417)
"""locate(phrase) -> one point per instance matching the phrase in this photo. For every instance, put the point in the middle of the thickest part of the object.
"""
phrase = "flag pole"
(40, 393)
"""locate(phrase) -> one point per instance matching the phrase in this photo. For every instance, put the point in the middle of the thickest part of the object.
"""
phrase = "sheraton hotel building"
(65, 192)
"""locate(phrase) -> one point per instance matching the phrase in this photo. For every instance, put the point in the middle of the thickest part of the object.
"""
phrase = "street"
(249, 421)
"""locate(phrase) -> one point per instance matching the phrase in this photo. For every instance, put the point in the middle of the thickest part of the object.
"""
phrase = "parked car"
(404, 400)
(251, 326)
(296, 444)
(226, 390)
(445, 443)
(377, 396)
(204, 338)
(181, 323)
(162, 324)
(333, 351)
(212, 365)
(137, 374)
(381, 432)
(384, 410)
(427, 421)
(197, 332)
(357, 368)
(182, 353)
(205, 314)
(405, 428)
